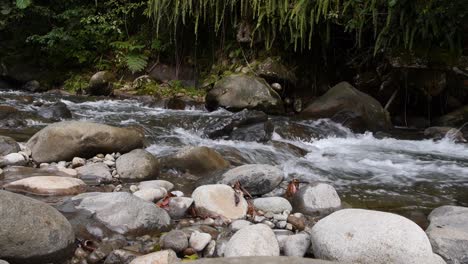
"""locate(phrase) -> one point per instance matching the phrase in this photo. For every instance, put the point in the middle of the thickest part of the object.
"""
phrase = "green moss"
(170, 89)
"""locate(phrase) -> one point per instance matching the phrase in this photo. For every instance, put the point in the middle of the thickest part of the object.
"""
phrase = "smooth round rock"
(254, 240)
(137, 165)
(156, 184)
(272, 204)
(365, 236)
(318, 198)
(32, 231)
(151, 195)
(196, 160)
(178, 206)
(176, 240)
(8, 145)
(257, 179)
(13, 159)
(219, 200)
(199, 241)
(47, 185)
(296, 245)
(98, 172)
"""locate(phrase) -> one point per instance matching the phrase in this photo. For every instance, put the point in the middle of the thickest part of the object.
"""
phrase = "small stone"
(210, 249)
(133, 188)
(269, 224)
(1, 171)
(319, 198)
(109, 163)
(80, 253)
(78, 162)
(296, 245)
(47, 185)
(189, 252)
(280, 217)
(178, 206)
(62, 164)
(281, 236)
(208, 221)
(151, 195)
(199, 241)
(239, 224)
(156, 184)
(254, 240)
(281, 224)
(43, 165)
(160, 257)
(219, 199)
(13, 159)
(269, 214)
(71, 172)
(177, 193)
(176, 240)
(259, 218)
(101, 156)
(120, 256)
(289, 227)
(109, 157)
(118, 188)
(272, 204)
(297, 222)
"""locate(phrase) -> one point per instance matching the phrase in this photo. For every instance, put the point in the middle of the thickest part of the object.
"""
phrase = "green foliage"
(131, 54)
(76, 83)
(170, 89)
(22, 4)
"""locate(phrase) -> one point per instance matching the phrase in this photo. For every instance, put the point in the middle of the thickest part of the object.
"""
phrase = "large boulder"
(237, 92)
(32, 231)
(274, 71)
(364, 236)
(137, 165)
(254, 240)
(101, 83)
(47, 186)
(69, 139)
(196, 160)
(122, 212)
(454, 119)
(219, 200)
(345, 104)
(448, 233)
(318, 198)
(257, 179)
(8, 145)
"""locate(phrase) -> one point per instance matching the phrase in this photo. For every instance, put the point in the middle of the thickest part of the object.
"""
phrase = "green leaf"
(22, 4)
(136, 63)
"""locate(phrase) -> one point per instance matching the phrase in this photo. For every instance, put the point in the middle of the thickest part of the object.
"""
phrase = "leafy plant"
(22, 4)
(131, 54)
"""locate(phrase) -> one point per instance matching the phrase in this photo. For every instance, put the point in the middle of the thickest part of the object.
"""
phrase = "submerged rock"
(122, 212)
(196, 160)
(439, 133)
(8, 145)
(364, 236)
(254, 240)
(219, 200)
(345, 104)
(32, 231)
(47, 186)
(222, 128)
(69, 139)
(448, 233)
(237, 92)
(137, 165)
(257, 179)
(318, 198)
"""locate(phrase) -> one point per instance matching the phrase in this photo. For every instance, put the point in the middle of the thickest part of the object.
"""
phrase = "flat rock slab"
(47, 186)
(262, 260)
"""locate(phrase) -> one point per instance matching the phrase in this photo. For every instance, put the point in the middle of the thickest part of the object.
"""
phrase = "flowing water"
(385, 173)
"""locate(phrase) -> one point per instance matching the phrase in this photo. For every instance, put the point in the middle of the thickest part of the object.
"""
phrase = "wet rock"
(56, 111)
(275, 72)
(272, 204)
(448, 233)
(237, 92)
(32, 231)
(196, 160)
(255, 240)
(254, 133)
(32, 86)
(219, 200)
(318, 198)
(47, 186)
(262, 260)
(155, 184)
(81, 139)
(199, 241)
(257, 179)
(122, 212)
(96, 172)
(239, 224)
(13, 159)
(104, 249)
(151, 195)
(345, 104)
(439, 133)
(296, 245)
(101, 83)
(356, 235)
(161, 257)
(8, 146)
(137, 165)
(221, 128)
(120, 256)
(454, 119)
(178, 206)
(176, 240)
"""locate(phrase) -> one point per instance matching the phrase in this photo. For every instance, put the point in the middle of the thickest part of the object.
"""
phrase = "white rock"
(239, 224)
(178, 206)
(254, 240)
(272, 204)
(151, 195)
(219, 200)
(199, 241)
(160, 257)
(156, 184)
(281, 236)
(133, 188)
(1, 171)
(109, 157)
(47, 185)
(13, 159)
(109, 163)
(364, 236)
(316, 198)
(78, 162)
(71, 172)
(296, 245)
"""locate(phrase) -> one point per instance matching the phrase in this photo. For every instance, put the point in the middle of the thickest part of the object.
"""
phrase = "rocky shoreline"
(120, 211)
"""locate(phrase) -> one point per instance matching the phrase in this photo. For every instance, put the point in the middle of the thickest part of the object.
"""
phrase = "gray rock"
(122, 212)
(239, 224)
(151, 195)
(257, 179)
(101, 83)
(196, 160)
(199, 241)
(262, 260)
(315, 199)
(439, 133)
(160, 257)
(224, 126)
(210, 249)
(96, 172)
(254, 240)
(120, 256)
(81, 139)
(137, 165)
(3, 262)
(32, 231)
(178, 206)
(296, 245)
(13, 159)
(176, 240)
(364, 236)
(155, 184)
(8, 145)
(281, 236)
(56, 111)
(237, 92)
(219, 200)
(272, 204)
(448, 233)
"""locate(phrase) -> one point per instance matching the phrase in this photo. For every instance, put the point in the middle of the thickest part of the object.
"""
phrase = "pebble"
(297, 222)
(118, 188)
(151, 195)
(239, 224)
(133, 188)
(120, 256)
(62, 164)
(259, 218)
(109, 163)
(269, 224)
(13, 159)
(189, 252)
(281, 217)
(80, 253)
(78, 162)
(210, 249)
(109, 157)
(282, 224)
(199, 241)
(176, 240)
(101, 156)
(1, 171)
(289, 226)
(178, 206)
(43, 165)
(208, 221)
